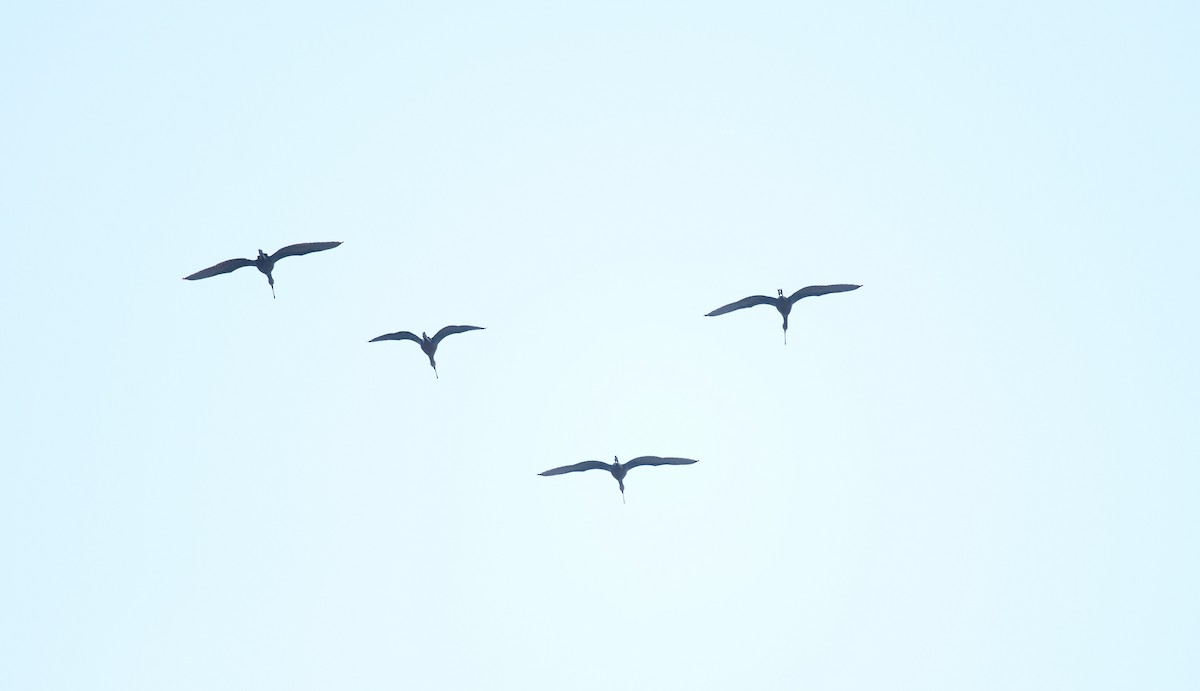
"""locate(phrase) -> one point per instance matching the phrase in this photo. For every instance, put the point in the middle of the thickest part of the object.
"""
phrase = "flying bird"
(429, 345)
(617, 468)
(264, 262)
(781, 303)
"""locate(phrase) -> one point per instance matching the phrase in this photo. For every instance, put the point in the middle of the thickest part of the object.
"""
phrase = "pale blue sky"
(977, 472)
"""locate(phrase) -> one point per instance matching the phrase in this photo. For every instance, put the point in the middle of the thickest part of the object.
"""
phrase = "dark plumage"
(781, 303)
(264, 262)
(617, 468)
(429, 345)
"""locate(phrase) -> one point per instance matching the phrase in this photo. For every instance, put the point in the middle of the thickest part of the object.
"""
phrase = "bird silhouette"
(265, 262)
(617, 468)
(429, 345)
(781, 303)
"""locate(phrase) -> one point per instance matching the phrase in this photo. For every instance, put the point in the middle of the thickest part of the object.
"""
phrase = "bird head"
(615, 461)
(780, 291)
(424, 336)
(262, 255)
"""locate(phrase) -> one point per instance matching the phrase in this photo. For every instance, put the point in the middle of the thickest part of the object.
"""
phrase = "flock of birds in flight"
(266, 264)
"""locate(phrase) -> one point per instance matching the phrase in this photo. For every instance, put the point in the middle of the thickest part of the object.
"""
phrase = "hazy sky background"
(979, 471)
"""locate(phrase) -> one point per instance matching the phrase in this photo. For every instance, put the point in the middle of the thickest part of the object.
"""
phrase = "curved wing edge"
(576, 468)
(742, 304)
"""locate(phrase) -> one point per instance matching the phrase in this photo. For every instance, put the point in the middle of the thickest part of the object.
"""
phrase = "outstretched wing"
(448, 330)
(657, 460)
(578, 467)
(813, 291)
(742, 304)
(218, 269)
(302, 248)
(398, 336)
